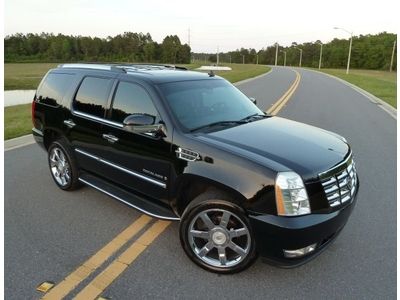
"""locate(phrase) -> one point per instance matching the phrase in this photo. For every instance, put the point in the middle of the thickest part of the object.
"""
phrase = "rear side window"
(53, 88)
(92, 96)
(131, 99)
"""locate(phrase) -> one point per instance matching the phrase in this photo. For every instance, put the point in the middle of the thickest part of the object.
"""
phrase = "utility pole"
(391, 60)
(276, 54)
(320, 56)
(348, 59)
(217, 55)
(257, 59)
(301, 55)
(243, 58)
(351, 42)
(284, 58)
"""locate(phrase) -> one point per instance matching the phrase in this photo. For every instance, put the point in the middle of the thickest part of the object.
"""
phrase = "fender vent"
(187, 155)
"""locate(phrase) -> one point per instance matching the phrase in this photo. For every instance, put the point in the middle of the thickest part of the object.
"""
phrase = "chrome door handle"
(111, 138)
(69, 123)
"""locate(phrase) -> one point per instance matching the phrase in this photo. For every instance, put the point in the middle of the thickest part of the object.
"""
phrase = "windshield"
(202, 102)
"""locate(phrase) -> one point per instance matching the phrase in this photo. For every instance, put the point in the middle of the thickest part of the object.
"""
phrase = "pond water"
(18, 97)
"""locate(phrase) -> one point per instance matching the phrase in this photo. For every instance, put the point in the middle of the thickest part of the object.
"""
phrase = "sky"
(227, 25)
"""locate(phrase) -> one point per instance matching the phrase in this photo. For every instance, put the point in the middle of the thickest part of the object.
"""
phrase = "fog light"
(299, 252)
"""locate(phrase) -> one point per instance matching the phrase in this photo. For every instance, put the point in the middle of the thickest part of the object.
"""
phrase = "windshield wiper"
(219, 123)
(254, 117)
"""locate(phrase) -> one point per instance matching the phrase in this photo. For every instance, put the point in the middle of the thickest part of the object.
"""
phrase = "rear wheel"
(216, 235)
(63, 167)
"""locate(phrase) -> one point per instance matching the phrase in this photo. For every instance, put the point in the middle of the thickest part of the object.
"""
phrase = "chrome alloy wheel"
(219, 238)
(60, 167)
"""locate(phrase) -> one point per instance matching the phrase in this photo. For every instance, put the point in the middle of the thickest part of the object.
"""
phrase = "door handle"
(111, 138)
(69, 123)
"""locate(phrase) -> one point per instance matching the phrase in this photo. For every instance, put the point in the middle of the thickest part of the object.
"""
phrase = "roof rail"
(94, 67)
(146, 66)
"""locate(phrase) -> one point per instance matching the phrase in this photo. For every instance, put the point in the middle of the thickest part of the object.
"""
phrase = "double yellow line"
(278, 105)
(94, 288)
(116, 267)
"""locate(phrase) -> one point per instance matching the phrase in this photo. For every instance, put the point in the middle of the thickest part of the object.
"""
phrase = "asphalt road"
(49, 233)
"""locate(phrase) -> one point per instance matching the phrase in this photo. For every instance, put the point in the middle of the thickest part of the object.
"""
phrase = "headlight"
(291, 195)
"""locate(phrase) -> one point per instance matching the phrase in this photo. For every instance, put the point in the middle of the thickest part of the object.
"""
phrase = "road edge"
(379, 102)
(18, 142)
(253, 78)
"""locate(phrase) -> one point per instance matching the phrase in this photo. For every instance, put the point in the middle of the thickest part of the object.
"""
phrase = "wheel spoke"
(222, 255)
(225, 219)
(239, 250)
(62, 159)
(206, 248)
(200, 234)
(233, 233)
(56, 154)
(207, 221)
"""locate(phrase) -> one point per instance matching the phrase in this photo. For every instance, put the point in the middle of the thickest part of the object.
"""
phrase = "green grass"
(23, 76)
(239, 71)
(381, 84)
(17, 120)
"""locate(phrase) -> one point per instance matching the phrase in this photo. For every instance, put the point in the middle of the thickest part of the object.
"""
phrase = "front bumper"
(273, 234)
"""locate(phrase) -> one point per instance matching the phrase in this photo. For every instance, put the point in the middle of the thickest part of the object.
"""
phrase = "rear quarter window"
(53, 88)
(92, 96)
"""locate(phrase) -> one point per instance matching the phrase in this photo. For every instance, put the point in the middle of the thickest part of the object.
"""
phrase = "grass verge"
(25, 76)
(17, 119)
(381, 84)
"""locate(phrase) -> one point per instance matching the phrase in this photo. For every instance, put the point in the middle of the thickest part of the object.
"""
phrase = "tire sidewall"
(192, 212)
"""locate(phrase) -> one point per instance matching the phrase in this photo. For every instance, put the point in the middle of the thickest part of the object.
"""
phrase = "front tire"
(63, 166)
(216, 235)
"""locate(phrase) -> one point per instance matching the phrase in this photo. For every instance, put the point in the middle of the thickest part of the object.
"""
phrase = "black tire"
(215, 205)
(61, 147)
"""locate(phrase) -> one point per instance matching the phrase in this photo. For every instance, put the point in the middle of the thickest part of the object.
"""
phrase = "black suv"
(189, 146)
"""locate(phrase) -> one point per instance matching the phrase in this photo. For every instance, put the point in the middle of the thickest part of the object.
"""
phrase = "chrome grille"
(340, 187)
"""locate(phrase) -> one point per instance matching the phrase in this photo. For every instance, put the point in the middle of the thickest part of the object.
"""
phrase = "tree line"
(368, 52)
(126, 47)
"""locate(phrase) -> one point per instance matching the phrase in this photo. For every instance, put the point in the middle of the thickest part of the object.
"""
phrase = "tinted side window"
(131, 99)
(92, 96)
(53, 88)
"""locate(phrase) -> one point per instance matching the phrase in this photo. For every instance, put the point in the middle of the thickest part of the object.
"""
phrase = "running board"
(127, 198)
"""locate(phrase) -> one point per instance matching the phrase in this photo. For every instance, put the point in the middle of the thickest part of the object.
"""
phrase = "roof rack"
(122, 67)
(144, 66)
(94, 66)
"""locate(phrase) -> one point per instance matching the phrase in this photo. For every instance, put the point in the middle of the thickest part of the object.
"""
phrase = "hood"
(302, 148)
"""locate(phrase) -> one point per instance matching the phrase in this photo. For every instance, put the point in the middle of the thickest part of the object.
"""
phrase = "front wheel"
(217, 236)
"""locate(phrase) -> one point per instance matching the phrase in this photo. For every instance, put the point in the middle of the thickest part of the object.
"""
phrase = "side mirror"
(144, 124)
(139, 120)
(253, 100)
